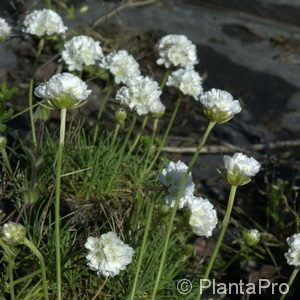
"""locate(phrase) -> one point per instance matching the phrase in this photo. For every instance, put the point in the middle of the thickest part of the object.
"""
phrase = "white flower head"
(185, 198)
(141, 94)
(45, 22)
(239, 168)
(5, 30)
(293, 254)
(108, 254)
(171, 176)
(176, 50)
(63, 90)
(13, 233)
(203, 218)
(219, 106)
(122, 65)
(81, 51)
(187, 81)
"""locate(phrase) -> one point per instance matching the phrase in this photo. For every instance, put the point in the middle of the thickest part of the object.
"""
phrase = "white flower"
(81, 51)
(13, 233)
(185, 198)
(141, 94)
(219, 105)
(122, 65)
(240, 167)
(188, 81)
(176, 50)
(203, 218)
(44, 22)
(171, 176)
(5, 30)
(63, 90)
(293, 254)
(108, 254)
(157, 108)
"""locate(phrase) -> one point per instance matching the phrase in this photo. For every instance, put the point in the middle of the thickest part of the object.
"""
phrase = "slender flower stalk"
(174, 209)
(31, 112)
(116, 132)
(137, 138)
(291, 280)
(118, 163)
(166, 134)
(38, 254)
(165, 78)
(63, 113)
(148, 152)
(110, 89)
(101, 288)
(221, 236)
(142, 251)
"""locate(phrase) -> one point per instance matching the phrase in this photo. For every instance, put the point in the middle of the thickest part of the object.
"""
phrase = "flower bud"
(3, 142)
(251, 237)
(5, 30)
(13, 233)
(121, 115)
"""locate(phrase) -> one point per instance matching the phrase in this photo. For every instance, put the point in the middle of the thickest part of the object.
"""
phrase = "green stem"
(101, 109)
(118, 163)
(174, 209)
(38, 254)
(155, 125)
(6, 161)
(100, 289)
(31, 112)
(117, 129)
(137, 138)
(225, 223)
(25, 110)
(165, 135)
(291, 280)
(165, 78)
(63, 114)
(142, 251)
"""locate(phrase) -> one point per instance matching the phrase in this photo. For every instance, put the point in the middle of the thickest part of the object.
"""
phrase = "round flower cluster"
(13, 233)
(63, 90)
(251, 237)
(141, 94)
(203, 218)
(44, 22)
(5, 30)
(187, 81)
(219, 105)
(239, 168)
(81, 51)
(122, 65)
(108, 255)
(176, 50)
(293, 254)
(171, 176)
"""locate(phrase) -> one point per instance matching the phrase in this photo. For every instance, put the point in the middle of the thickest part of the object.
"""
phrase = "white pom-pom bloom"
(293, 254)
(13, 233)
(108, 254)
(171, 176)
(122, 65)
(240, 167)
(176, 50)
(5, 30)
(63, 90)
(187, 81)
(44, 22)
(185, 198)
(81, 51)
(203, 218)
(219, 106)
(141, 94)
